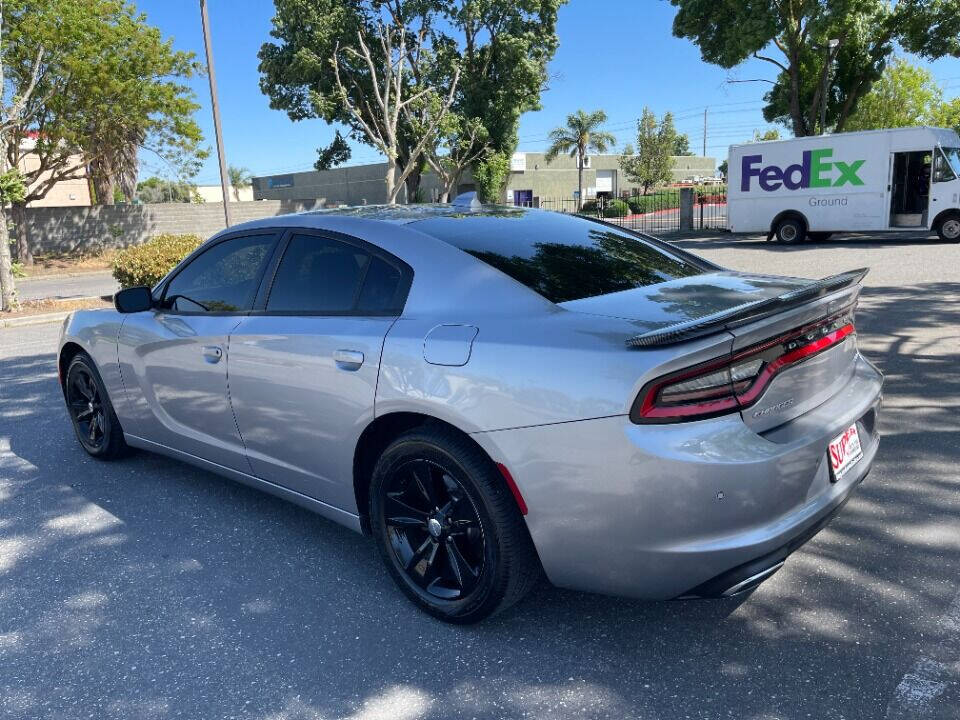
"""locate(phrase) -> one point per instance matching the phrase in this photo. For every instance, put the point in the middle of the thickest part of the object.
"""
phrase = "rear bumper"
(692, 509)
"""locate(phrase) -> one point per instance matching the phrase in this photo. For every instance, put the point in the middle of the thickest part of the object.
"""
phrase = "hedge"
(659, 200)
(146, 264)
(616, 208)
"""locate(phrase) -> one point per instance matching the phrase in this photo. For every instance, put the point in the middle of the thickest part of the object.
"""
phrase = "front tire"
(447, 527)
(948, 229)
(791, 231)
(91, 411)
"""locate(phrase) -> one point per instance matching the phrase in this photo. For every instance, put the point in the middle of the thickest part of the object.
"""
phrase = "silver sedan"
(493, 393)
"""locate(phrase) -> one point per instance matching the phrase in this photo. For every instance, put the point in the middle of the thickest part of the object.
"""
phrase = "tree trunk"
(579, 182)
(102, 180)
(413, 183)
(18, 213)
(390, 180)
(7, 286)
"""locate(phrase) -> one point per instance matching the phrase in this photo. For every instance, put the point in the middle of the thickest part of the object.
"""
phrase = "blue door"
(523, 198)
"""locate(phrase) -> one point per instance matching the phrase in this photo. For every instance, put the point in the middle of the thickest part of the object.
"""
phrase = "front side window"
(319, 276)
(562, 257)
(222, 279)
(946, 164)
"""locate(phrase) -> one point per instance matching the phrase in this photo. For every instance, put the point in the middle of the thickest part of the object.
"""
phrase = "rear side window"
(320, 275)
(562, 257)
(222, 279)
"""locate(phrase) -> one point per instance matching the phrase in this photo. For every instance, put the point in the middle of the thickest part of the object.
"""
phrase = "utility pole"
(216, 112)
(705, 132)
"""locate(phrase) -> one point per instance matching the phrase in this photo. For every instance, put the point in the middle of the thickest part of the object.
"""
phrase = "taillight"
(728, 384)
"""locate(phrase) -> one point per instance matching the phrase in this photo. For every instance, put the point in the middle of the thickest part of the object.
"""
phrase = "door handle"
(212, 353)
(348, 359)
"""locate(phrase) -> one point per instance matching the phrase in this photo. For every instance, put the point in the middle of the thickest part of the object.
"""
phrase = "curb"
(34, 319)
(55, 276)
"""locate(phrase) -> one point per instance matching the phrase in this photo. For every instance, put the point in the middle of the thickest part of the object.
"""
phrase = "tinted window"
(320, 275)
(222, 279)
(559, 256)
(381, 288)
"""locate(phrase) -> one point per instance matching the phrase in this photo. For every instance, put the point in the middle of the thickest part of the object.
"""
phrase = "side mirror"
(132, 300)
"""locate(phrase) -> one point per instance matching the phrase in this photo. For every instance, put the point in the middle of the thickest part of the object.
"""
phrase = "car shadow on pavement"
(148, 588)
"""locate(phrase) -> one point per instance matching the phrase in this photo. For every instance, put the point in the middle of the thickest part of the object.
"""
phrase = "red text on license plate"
(845, 451)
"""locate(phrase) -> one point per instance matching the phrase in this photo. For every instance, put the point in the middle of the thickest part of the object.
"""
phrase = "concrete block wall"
(72, 229)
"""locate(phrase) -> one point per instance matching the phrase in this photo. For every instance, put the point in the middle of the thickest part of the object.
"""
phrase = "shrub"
(659, 200)
(589, 206)
(616, 208)
(147, 264)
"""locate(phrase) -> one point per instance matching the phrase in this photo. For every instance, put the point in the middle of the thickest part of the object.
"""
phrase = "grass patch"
(56, 264)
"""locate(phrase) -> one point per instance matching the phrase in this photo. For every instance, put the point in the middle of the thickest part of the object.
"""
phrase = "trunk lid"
(802, 386)
(754, 309)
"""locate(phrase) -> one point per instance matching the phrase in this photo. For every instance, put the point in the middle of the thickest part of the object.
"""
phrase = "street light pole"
(221, 156)
(831, 46)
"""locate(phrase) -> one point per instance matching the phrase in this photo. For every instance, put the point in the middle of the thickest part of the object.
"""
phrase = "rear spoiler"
(748, 312)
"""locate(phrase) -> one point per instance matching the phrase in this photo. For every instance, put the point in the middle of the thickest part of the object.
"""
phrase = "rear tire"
(790, 231)
(91, 411)
(948, 229)
(447, 527)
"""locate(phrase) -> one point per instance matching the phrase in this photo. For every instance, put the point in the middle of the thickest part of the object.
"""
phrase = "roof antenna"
(468, 200)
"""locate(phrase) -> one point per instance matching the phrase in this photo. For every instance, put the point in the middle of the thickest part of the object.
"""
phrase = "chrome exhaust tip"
(752, 581)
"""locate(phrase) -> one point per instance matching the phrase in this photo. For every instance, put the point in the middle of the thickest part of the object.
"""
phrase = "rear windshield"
(562, 257)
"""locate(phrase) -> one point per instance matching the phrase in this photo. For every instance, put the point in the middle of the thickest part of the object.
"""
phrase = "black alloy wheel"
(94, 420)
(434, 529)
(447, 527)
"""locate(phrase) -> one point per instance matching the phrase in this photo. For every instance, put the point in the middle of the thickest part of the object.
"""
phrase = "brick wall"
(68, 229)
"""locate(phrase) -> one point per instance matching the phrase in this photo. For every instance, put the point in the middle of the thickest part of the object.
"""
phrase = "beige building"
(66, 193)
(214, 193)
(532, 181)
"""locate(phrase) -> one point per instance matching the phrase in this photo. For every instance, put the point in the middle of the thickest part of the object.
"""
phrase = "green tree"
(239, 179)
(336, 153)
(681, 146)
(766, 135)
(490, 176)
(460, 143)
(108, 86)
(362, 63)
(580, 135)
(651, 164)
(905, 95)
(501, 48)
(793, 37)
(947, 115)
(158, 190)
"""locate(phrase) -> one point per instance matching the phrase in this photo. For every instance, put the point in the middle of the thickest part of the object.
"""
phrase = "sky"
(614, 55)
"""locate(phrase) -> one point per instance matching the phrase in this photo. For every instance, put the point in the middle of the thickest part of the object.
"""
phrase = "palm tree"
(239, 179)
(577, 138)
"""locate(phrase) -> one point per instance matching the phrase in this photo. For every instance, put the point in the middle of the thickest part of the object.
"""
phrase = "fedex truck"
(902, 180)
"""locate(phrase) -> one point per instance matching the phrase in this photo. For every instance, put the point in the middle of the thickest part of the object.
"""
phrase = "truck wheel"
(790, 230)
(949, 229)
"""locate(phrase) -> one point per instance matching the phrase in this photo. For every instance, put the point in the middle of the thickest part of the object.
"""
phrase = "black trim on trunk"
(746, 313)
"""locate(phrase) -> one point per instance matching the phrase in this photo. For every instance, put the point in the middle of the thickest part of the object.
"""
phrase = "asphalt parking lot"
(148, 589)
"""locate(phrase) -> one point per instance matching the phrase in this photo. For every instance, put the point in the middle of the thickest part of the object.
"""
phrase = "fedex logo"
(815, 169)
